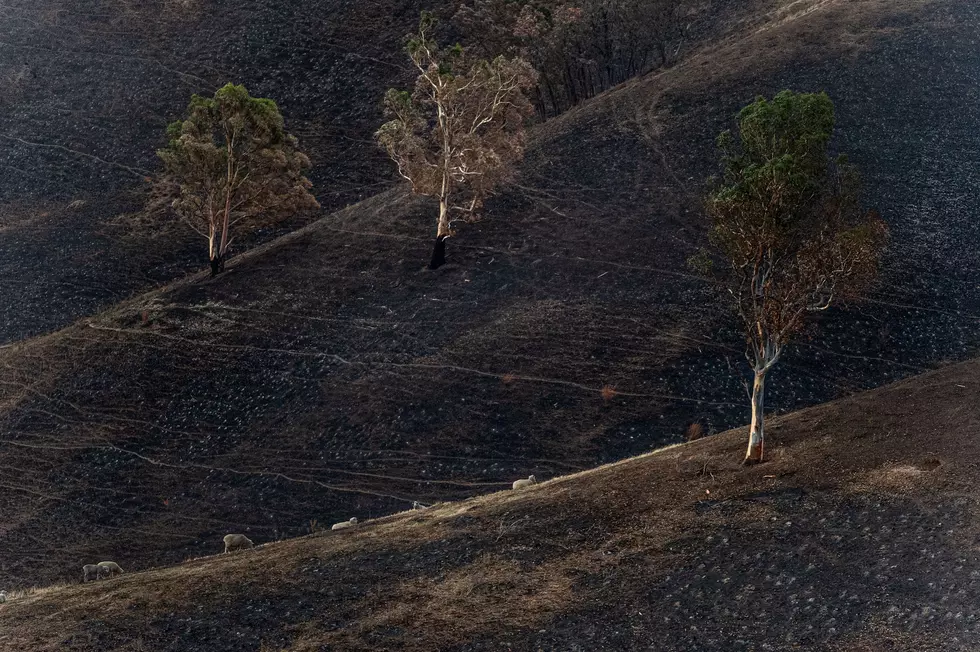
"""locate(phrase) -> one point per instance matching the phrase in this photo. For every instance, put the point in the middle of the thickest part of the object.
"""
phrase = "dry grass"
(694, 432)
(608, 393)
(34, 591)
(510, 564)
(466, 602)
(572, 551)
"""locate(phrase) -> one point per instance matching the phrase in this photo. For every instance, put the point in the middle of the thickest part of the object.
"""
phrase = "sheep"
(344, 524)
(93, 572)
(521, 484)
(237, 542)
(416, 506)
(3, 597)
(111, 568)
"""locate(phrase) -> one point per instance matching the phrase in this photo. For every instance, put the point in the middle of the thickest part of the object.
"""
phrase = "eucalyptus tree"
(787, 222)
(233, 168)
(459, 133)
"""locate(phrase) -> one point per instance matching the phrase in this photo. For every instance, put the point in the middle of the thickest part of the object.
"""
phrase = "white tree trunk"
(443, 229)
(757, 431)
(442, 232)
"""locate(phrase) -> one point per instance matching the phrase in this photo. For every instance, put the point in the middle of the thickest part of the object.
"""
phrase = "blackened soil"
(329, 375)
(89, 87)
(858, 534)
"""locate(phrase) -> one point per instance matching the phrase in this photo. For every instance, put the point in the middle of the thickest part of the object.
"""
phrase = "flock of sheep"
(101, 570)
(106, 569)
(242, 542)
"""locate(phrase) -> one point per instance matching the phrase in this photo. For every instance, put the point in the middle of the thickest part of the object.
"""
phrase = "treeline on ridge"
(579, 48)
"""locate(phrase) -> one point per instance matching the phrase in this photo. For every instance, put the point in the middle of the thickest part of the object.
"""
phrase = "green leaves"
(234, 165)
(701, 263)
(797, 124)
(786, 218)
(778, 161)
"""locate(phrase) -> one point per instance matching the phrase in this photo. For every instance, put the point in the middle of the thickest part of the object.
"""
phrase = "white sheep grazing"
(111, 568)
(344, 524)
(521, 484)
(93, 572)
(237, 542)
(3, 597)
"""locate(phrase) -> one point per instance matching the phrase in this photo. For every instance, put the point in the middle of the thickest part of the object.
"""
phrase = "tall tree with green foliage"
(787, 222)
(234, 168)
(459, 133)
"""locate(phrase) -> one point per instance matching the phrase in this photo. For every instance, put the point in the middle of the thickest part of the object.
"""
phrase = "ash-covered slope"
(327, 375)
(859, 534)
(88, 87)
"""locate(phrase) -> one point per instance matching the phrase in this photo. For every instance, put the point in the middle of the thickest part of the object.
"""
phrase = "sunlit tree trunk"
(757, 431)
(218, 253)
(214, 246)
(223, 249)
(764, 355)
(218, 261)
(442, 233)
(442, 228)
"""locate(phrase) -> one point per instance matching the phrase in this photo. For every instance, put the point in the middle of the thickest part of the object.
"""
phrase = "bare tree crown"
(457, 135)
(578, 48)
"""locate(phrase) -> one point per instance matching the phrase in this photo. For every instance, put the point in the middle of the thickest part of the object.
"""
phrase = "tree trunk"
(223, 247)
(217, 265)
(552, 97)
(754, 454)
(438, 253)
(214, 251)
(442, 233)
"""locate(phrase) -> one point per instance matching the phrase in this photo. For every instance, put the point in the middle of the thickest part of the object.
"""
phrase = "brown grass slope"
(327, 375)
(859, 534)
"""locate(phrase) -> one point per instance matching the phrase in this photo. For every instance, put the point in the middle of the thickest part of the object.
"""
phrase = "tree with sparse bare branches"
(233, 167)
(787, 222)
(458, 135)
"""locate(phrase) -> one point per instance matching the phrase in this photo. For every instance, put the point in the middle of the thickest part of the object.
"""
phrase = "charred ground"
(857, 535)
(87, 88)
(327, 375)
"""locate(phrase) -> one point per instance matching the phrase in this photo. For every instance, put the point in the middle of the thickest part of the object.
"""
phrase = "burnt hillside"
(327, 375)
(92, 84)
(88, 87)
(858, 535)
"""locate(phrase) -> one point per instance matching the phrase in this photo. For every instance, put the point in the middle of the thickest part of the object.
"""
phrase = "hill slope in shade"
(858, 534)
(326, 375)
